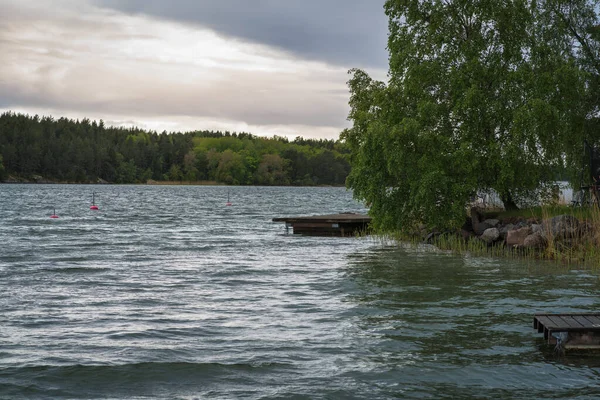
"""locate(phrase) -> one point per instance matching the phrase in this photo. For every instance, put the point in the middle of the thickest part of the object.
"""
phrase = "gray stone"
(490, 235)
(534, 241)
(561, 227)
(516, 237)
(480, 228)
(586, 228)
(504, 230)
(491, 222)
(475, 216)
(535, 228)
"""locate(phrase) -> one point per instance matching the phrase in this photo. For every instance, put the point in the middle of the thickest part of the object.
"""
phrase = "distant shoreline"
(14, 180)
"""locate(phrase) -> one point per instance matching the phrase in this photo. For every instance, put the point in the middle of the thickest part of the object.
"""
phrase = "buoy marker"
(228, 202)
(54, 216)
(93, 206)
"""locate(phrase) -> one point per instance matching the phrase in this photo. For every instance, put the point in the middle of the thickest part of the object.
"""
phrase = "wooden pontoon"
(346, 224)
(570, 331)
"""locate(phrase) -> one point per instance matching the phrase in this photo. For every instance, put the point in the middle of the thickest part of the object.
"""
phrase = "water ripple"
(167, 293)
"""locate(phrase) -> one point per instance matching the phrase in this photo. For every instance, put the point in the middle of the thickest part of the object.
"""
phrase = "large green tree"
(482, 94)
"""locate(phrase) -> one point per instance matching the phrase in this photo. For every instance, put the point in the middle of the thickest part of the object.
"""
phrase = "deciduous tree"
(481, 95)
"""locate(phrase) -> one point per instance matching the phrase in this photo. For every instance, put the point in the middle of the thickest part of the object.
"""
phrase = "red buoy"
(54, 216)
(93, 206)
(228, 204)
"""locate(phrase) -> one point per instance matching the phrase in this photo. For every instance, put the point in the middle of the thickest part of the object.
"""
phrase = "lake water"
(167, 293)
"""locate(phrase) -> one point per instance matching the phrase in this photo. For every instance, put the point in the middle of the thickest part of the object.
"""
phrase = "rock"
(535, 228)
(490, 235)
(534, 241)
(431, 237)
(504, 230)
(516, 237)
(566, 244)
(476, 216)
(468, 225)
(586, 229)
(491, 222)
(480, 228)
(561, 227)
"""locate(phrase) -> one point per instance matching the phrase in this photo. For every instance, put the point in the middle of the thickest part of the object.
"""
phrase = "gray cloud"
(351, 33)
(69, 57)
(314, 98)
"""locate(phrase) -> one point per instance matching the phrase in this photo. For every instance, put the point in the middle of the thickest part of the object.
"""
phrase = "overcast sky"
(262, 66)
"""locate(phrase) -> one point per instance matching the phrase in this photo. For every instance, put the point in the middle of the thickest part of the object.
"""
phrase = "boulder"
(586, 229)
(476, 216)
(468, 225)
(516, 237)
(480, 228)
(490, 235)
(504, 230)
(561, 227)
(535, 228)
(492, 222)
(534, 241)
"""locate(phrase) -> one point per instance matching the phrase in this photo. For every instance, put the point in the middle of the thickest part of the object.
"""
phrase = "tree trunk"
(509, 203)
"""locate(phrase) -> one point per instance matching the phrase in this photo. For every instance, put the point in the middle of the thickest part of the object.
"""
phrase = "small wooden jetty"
(570, 331)
(346, 224)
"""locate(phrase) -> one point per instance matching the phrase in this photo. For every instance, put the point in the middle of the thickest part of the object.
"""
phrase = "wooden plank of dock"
(345, 224)
(572, 331)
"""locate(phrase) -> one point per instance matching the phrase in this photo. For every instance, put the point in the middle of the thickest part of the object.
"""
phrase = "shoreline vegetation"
(40, 180)
(558, 233)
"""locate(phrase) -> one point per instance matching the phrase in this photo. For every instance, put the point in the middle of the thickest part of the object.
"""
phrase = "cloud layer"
(78, 58)
(351, 33)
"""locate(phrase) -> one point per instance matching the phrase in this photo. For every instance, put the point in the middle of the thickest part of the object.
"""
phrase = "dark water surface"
(167, 293)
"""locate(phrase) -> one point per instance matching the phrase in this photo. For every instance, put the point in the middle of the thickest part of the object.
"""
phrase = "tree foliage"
(481, 95)
(84, 151)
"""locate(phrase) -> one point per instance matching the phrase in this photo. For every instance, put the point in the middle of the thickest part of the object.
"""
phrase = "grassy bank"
(543, 212)
(581, 248)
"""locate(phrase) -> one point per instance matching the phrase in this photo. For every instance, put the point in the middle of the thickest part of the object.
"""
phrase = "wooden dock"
(570, 331)
(346, 224)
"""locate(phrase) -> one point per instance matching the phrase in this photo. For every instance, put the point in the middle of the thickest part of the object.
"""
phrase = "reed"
(545, 211)
(582, 250)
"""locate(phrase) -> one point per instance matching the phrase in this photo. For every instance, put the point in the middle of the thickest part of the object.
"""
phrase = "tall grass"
(477, 247)
(547, 211)
(582, 250)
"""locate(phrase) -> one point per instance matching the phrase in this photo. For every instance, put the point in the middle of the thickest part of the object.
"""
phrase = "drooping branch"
(585, 45)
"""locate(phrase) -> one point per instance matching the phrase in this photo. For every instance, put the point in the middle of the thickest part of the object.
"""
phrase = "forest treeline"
(67, 150)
